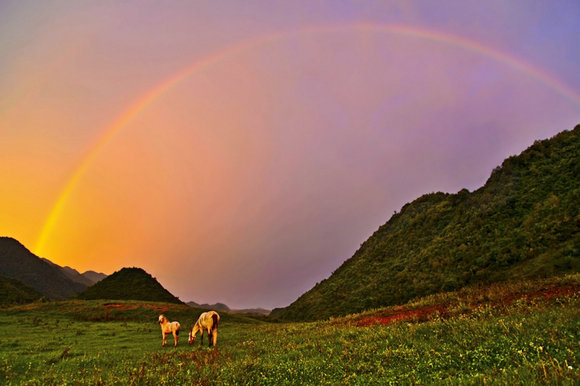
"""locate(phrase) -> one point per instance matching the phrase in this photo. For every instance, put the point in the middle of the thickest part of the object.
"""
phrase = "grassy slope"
(129, 284)
(531, 340)
(15, 292)
(524, 223)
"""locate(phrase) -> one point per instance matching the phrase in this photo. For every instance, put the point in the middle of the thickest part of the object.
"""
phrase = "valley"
(530, 339)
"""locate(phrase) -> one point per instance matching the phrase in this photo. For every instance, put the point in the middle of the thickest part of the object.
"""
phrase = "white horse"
(168, 328)
(207, 321)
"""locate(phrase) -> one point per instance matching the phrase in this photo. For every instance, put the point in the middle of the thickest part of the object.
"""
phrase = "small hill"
(17, 262)
(15, 292)
(129, 284)
(523, 223)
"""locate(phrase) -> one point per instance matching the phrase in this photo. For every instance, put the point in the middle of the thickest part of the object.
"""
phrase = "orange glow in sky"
(259, 144)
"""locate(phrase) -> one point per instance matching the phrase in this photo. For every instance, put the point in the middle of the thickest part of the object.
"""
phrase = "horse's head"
(191, 338)
(162, 319)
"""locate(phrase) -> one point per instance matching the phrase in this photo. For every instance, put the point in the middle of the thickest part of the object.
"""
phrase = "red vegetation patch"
(157, 308)
(125, 306)
(28, 307)
(550, 293)
(119, 306)
(421, 314)
(399, 314)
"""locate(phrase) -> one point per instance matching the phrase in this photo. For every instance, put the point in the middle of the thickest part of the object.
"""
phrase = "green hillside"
(129, 284)
(17, 262)
(523, 223)
(15, 292)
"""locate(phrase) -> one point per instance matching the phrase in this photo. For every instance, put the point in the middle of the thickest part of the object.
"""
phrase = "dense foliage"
(15, 292)
(532, 340)
(129, 284)
(17, 262)
(523, 223)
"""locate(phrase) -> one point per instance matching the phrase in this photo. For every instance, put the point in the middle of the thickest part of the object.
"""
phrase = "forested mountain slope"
(17, 262)
(523, 223)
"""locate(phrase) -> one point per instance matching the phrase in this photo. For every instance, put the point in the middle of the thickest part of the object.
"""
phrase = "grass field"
(524, 333)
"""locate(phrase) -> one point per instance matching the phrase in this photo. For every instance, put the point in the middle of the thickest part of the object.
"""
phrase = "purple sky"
(304, 126)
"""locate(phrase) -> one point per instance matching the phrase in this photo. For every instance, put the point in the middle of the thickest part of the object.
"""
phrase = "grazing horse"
(207, 321)
(168, 328)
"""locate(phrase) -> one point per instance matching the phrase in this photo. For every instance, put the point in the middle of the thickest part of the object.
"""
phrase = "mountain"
(252, 311)
(523, 223)
(87, 279)
(93, 276)
(17, 262)
(15, 292)
(224, 308)
(216, 307)
(129, 284)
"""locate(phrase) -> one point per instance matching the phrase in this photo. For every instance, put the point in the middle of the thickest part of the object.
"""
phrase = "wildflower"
(570, 367)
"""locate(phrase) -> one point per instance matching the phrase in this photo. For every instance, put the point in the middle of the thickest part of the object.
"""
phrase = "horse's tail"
(216, 320)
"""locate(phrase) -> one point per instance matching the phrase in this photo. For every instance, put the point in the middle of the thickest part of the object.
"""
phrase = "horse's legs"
(201, 333)
(214, 334)
(209, 336)
(163, 341)
(175, 338)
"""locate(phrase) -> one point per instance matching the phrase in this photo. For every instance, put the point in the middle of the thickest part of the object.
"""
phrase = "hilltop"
(17, 262)
(129, 284)
(523, 223)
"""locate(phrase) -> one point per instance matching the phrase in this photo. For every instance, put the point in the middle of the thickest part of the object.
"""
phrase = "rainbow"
(143, 102)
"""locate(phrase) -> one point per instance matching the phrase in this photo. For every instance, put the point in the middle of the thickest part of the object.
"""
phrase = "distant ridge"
(523, 223)
(17, 262)
(224, 308)
(93, 276)
(251, 311)
(216, 307)
(87, 279)
(129, 284)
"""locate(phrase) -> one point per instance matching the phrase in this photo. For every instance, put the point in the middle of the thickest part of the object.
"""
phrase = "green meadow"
(523, 333)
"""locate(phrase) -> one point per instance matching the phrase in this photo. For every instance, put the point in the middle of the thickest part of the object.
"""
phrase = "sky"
(241, 151)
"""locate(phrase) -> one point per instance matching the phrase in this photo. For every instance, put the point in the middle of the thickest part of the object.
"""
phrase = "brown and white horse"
(168, 328)
(207, 321)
